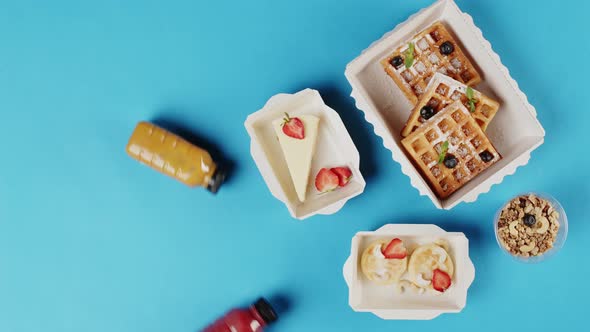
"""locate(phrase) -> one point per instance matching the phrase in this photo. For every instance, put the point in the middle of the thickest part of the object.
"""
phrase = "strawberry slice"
(293, 127)
(326, 180)
(441, 280)
(344, 175)
(395, 250)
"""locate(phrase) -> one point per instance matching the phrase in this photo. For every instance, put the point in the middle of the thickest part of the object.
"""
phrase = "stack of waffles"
(445, 133)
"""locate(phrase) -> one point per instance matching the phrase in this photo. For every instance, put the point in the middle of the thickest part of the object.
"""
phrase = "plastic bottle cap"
(216, 180)
(265, 310)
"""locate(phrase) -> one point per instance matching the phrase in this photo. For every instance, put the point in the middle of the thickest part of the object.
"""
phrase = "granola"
(528, 226)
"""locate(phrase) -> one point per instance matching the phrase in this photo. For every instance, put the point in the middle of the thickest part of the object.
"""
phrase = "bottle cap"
(265, 310)
(216, 180)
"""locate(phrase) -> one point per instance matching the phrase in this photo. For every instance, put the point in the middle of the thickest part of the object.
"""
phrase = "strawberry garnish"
(326, 180)
(395, 250)
(293, 127)
(344, 175)
(441, 280)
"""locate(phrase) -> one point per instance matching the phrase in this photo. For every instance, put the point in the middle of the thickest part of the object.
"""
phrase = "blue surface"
(92, 241)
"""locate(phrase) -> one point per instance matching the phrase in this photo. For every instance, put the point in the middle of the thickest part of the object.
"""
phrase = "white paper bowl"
(515, 130)
(334, 148)
(383, 301)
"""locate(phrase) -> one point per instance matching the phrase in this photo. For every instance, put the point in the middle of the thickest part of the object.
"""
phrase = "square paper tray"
(334, 148)
(515, 130)
(364, 296)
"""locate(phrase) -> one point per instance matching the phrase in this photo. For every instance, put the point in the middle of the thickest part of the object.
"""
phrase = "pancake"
(424, 260)
(379, 269)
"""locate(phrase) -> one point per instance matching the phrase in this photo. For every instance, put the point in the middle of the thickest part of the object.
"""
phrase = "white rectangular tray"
(515, 130)
(383, 301)
(334, 148)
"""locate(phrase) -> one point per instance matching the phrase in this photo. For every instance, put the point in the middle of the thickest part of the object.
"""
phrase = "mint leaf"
(443, 151)
(469, 92)
(471, 97)
(471, 106)
(409, 56)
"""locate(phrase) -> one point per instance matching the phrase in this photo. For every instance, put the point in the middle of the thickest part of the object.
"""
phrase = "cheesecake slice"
(298, 143)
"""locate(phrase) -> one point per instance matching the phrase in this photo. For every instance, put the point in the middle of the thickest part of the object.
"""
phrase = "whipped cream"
(377, 252)
(420, 281)
(382, 273)
(442, 255)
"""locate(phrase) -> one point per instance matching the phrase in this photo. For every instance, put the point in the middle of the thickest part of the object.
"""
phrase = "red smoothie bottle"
(252, 319)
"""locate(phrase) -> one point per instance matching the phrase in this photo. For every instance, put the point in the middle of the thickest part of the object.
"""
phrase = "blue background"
(90, 240)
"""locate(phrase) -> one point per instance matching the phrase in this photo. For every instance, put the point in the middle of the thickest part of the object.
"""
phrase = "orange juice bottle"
(174, 156)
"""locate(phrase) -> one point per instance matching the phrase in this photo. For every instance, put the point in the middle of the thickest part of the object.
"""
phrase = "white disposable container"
(515, 130)
(334, 148)
(384, 301)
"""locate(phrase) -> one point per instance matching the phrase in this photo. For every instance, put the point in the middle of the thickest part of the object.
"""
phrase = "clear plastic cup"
(559, 239)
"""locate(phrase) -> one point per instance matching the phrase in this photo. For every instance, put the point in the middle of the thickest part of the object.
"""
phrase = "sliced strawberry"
(344, 175)
(395, 250)
(441, 280)
(293, 127)
(326, 180)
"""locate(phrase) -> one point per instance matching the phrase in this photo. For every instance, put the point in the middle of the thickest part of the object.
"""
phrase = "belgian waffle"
(466, 143)
(428, 60)
(442, 91)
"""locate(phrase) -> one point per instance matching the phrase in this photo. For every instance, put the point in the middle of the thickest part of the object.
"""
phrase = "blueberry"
(397, 61)
(529, 220)
(446, 48)
(427, 112)
(450, 161)
(486, 156)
